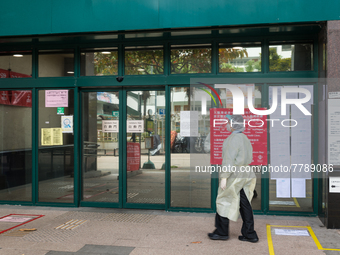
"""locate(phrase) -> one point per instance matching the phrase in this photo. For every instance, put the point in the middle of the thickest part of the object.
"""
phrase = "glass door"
(145, 150)
(100, 148)
(56, 146)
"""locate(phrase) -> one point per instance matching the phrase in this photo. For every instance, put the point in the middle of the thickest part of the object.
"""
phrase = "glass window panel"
(289, 147)
(143, 35)
(56, 63)
(99, 62)
(100, 150)
(190, 59)
(188, 189)
(145, 141)
(290, 204)
(56, 146)
(204, 130)
(144, 60)
(16, 145)
(193, 32)
(239, 59)
(15, 64)
(291, 57)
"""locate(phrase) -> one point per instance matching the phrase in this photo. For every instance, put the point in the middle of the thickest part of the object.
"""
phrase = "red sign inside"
(22, 98)
(133, 156)
(4, 73)
(255, 130)
(4, 97)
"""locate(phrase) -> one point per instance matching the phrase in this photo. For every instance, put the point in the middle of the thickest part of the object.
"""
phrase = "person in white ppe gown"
(237, 184)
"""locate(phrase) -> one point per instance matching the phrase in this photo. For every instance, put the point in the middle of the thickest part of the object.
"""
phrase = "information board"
(133, 156)
(255, 130)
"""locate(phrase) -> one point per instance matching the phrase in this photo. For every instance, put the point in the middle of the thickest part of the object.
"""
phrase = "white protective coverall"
(237, 151)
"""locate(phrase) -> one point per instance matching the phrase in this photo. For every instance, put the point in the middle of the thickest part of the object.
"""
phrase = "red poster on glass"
(133, 156)
(22, 98)
(18, 75)
(4, 73)
(255, 130)
(4, 97)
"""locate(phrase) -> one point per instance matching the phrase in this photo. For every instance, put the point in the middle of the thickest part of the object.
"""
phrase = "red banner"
(4, 73)
(9, 74)
(18, 75)
(255, 130)
(21, 98)
(133, 156)
(5, 97)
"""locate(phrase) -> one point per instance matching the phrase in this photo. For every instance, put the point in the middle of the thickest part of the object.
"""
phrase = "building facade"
(96, 98)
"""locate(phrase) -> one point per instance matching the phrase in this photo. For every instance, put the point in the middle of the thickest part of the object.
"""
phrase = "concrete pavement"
(122, 231)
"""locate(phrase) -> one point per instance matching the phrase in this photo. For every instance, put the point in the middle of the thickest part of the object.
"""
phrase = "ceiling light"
(237, 48)
(71, 72)
(18, 55)
(106, 52)
(140, 70)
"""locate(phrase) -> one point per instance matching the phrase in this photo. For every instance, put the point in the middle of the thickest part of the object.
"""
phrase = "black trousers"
(222, 223)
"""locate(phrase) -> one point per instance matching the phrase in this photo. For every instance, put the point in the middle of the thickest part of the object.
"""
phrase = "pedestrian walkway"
(61, 231)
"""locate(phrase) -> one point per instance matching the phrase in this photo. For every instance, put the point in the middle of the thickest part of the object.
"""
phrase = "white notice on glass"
(283, 188)
(110, 126)
(67, 124)
(56, 98)
(298, 187)
(189, 123)
(334, 131)
(135, 126)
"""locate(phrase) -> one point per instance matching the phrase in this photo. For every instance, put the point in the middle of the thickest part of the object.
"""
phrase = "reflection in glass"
(291, 57)
(291, 203)
(15, 64)
(56, 63)
(188, 189)
(99, 62)
(239, 59)
(291, 148)
(145, 159)
(56, 148)
(190, 59)
(143, 35)
(100, 147)
(194, 32)
(16, 145)
(144, 60)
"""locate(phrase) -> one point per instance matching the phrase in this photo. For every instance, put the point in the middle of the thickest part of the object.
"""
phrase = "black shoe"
(252, 240)
(214, 236)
